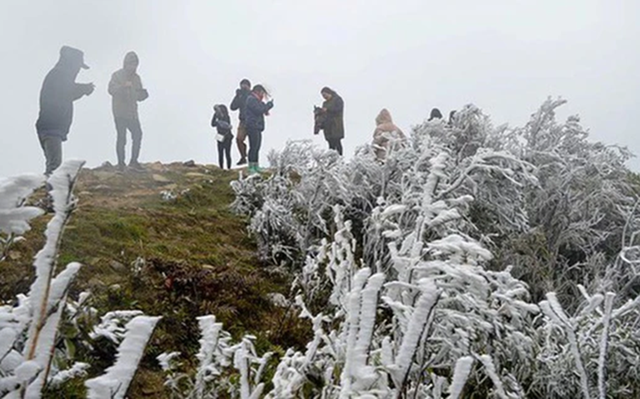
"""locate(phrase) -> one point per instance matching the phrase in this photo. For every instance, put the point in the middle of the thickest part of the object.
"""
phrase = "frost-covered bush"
(579, 208)
(224, 368)
(408, 268)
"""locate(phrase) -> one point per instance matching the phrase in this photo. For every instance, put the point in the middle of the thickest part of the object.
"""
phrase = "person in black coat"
(255, 111)
(333, 125)
(222, 123)
(59, 91)
(237, 104)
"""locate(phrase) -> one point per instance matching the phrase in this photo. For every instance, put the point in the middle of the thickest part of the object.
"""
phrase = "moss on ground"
(179, 259)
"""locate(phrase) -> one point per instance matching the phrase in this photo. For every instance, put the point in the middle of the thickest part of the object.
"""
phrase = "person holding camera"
(254, 112)
(59, 91)
(238, 104)
(333, 124)
(126, 91)
(222, 123)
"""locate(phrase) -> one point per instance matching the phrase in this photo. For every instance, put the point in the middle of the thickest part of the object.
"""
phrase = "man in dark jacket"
(238, 103)
(333, 107)
(254, 113)
(126, 91)
(59, 91)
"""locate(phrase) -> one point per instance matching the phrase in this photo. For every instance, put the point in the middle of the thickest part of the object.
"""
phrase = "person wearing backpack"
(222, 123)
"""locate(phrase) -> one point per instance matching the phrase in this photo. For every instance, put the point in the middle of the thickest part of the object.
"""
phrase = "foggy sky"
(409, 56)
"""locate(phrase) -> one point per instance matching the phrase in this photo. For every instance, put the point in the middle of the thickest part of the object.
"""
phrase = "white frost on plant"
(14, 216)
(79, 369)
(112, 325)
(460, 376)
(115, 382)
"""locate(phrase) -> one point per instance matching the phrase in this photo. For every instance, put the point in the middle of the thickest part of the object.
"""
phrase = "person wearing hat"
(333, 108)
(59, 91)
(238, 104)
(255, 110)
(435, 114)
(126, 91)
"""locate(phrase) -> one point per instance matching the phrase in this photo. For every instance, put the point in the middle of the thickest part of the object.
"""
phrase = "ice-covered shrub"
(412, 273)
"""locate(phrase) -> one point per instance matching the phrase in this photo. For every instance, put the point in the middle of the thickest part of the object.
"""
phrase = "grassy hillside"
(175, 257)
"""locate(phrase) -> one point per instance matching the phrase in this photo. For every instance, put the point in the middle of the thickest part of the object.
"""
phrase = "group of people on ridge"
(249, 102)
(60, 91)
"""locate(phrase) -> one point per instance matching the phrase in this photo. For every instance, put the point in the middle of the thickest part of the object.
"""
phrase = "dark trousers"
(52, 148)
(255, 141)
(335, 144)
(224, 149)
(133, 125)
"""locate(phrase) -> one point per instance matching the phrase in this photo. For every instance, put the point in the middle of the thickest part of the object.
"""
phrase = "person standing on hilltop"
(126, 91)
(59, 91)
(254, 112)
(238, 104)
(333, 125)
(222, 123)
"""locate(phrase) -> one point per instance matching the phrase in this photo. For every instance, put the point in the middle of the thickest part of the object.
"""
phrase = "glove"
(143, 94)
(270, 104)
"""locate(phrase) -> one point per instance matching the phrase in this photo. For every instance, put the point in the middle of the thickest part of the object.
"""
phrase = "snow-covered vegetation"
(29, 330)
(474, 261)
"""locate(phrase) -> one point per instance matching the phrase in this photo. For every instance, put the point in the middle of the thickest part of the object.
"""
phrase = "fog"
(408, 56)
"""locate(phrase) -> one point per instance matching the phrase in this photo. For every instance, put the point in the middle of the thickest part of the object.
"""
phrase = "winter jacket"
(239, 102)
(334, 123)
(124, 99)
(386, 134)
(254, 113)
(222, 124)
(57, 95)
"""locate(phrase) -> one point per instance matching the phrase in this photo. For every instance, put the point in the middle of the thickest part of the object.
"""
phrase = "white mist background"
(408, 56)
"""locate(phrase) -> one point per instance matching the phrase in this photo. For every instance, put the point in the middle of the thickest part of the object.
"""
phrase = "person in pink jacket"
(386, 135)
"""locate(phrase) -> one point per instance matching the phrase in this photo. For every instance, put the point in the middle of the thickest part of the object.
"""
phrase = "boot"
(242, 161)
(253, 168)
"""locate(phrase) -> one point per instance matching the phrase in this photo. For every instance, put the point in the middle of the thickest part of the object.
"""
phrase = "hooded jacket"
(59, 91)
(385, 132)
(125, 98)
(334, 122)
